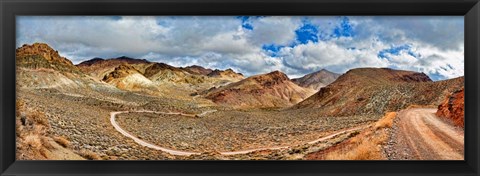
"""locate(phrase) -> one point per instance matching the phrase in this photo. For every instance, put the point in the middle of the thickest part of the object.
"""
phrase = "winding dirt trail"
(142, 142)
(426, 137)
(186, 153)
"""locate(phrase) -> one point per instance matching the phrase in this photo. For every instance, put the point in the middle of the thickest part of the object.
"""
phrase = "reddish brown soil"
(320, 155)
(453, 107)
(420, 135)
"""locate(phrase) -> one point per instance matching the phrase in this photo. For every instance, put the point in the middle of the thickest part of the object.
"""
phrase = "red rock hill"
(453, 107)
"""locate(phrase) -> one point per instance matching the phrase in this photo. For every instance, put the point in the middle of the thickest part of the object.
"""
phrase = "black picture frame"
(470, 9)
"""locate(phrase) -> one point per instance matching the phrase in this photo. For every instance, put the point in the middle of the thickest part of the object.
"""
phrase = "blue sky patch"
(245, 23)
(323, 36)
(436, 76)
(396, 51)
(247, 26)
(345, 29)
(272, 49)
(307, 32)
(116, 18)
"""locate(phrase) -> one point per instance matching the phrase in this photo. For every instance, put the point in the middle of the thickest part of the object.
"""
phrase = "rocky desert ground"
(133, 109)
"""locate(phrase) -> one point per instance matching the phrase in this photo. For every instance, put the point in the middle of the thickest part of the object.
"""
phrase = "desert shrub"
(46, 142)
(367, 144)
(62, 141)
(20, 104)
(43, 152)
(367, 150)
(364, 150)
(38, 117)
(386, 121)
(87, 154)
(33, 141)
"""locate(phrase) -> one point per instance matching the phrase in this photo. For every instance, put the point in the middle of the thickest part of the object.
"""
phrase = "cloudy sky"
(253, 45)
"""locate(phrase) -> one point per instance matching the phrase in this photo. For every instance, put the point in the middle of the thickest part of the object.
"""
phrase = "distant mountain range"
(98, 67)
(358, 91)
(316, 80)
(273, 89)
(195, 69)
(376, 90)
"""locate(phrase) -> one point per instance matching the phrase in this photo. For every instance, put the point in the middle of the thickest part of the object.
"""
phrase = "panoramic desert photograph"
(239, 88)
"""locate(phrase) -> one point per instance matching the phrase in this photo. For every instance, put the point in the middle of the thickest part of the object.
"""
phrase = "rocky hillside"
(160, 72)
(158, 67)
(98, 67)
(376, 90)
(41, 67)
(453, 107)
(126, 77)
(199, 70)
(192, 78)
(228, 74)
(261, 91)
(40, 55)
(316, 80)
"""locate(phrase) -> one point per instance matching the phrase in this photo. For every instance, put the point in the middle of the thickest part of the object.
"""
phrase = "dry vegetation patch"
(31, 131)
(62, 141)
(87, 154)
(33, 140)
(367, 145)
(386, 121)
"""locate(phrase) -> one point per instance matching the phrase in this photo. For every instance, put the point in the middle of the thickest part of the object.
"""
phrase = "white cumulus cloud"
(435, 44)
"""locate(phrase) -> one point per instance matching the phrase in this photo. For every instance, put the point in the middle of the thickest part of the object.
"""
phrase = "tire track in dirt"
(428, 137)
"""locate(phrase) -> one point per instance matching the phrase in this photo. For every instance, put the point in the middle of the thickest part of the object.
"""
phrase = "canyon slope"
(99, 68)
(199, 70)
(453, 107)
(377, 90)
(260, 91)
(41, 67)
(228, 74)
(40, 55)
(126, 77)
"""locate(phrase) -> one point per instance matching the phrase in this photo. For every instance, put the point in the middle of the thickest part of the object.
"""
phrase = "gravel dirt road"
(419, 135)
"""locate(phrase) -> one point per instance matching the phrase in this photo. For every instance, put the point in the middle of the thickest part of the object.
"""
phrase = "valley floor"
(85, 121)
(160, 128)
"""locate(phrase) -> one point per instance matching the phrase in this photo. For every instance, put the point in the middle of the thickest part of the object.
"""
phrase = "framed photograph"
(254, 87)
